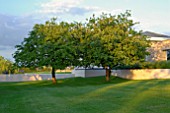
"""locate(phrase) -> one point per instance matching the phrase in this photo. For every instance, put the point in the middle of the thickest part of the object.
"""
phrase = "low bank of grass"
(86, 95)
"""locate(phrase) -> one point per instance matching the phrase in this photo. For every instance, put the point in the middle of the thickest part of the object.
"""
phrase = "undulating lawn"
(86, 95)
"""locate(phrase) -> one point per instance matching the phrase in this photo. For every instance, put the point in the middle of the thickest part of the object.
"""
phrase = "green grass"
(49, 72)
(86, 95)
(63, 72)
(45, 72)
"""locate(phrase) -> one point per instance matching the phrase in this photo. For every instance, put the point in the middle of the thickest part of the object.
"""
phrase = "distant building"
(160, 47)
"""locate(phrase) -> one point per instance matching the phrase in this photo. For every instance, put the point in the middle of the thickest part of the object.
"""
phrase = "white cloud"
(155, 24)
(63, 7)
(61, 3)
(14, 29)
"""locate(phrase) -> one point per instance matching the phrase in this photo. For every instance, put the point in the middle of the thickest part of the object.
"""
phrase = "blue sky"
(17, 17)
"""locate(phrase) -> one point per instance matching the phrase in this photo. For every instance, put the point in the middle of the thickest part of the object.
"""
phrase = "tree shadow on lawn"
(68, 82)
(78, 82)
(93, 81)
(122, 95)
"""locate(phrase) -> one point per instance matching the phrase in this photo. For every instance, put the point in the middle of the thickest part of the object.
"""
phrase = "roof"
(152, 34)
(156, 36)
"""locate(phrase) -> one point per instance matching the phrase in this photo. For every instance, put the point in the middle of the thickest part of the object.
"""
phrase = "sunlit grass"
(86, 95)
(48, 72)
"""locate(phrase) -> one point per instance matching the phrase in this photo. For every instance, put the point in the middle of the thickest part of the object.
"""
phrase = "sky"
(17, 17)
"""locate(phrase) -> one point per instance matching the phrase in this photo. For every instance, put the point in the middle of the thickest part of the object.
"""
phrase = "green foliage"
(158, 65)
(147, 65)
(6, 66)
(39, 70)
(47, 45)
(107, 41)
(122, 45)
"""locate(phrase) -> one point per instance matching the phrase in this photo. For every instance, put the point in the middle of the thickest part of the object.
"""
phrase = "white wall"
(79, 72)
(133, 74)
(143, 74)
(94, 73)
(88, 72)
(31, 77)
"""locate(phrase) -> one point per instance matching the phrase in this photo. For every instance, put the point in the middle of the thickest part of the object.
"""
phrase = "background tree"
(6, 66)
(47, 45)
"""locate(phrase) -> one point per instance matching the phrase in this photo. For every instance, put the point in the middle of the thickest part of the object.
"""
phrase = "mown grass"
(86, 95)
(49, 72)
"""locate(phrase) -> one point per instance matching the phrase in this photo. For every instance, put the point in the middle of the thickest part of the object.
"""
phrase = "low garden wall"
(31, 77)
(88, 72)
(143, 74)
(133, 74)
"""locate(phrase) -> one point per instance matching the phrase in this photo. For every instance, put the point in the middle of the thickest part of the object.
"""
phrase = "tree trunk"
(108, 73)
(53, 76)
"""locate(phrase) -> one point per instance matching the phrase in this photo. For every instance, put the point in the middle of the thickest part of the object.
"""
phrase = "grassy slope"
(89, 95)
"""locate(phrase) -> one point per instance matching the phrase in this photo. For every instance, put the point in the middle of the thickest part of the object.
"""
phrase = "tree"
(47, 45)
(6, 66)
(111, 41)
(107, 41)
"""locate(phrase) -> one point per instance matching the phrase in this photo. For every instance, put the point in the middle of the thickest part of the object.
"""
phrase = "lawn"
(48, 73)
(86, 95)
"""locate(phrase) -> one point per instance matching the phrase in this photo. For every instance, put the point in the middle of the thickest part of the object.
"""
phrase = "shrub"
(147, 65)
(160, 65)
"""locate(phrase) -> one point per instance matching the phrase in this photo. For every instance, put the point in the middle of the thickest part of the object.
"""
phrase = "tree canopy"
(47, 45)
(107, 41)
(110, 41)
